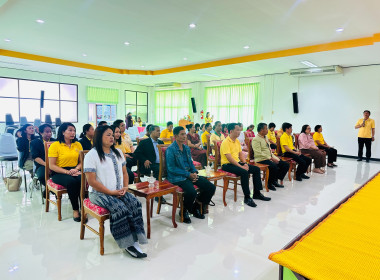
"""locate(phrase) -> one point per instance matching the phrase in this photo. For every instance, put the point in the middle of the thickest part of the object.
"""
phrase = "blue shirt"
(179, 164)
(155, 143)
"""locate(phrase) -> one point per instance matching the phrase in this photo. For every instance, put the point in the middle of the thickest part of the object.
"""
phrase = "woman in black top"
(38, 150)
(87, 137)
(25, 160)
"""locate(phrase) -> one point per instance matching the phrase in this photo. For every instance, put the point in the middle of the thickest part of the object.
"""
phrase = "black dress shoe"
(260, 197)
(335, 165)
(367, 160)
(135, 253)
(186, 217)
(249, 201)
(359, 159)
(298, 178)
(77, 219)
(272, 188)
(204, 209)
(163, 200)
(277, 185)
(303, 176)
(197, 214)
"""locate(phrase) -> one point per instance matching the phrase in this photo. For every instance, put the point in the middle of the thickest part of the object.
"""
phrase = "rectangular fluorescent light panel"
(308, 63)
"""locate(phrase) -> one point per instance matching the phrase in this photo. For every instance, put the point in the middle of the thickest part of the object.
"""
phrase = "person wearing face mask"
(38, 150)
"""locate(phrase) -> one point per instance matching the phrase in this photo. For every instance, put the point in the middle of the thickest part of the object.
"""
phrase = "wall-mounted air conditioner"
(335, 69)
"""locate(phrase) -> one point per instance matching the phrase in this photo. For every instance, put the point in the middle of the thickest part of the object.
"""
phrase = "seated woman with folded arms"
(87, 136)
(106, 173)
(321, 144)
(307, 146)
(195, 145)
(64, 162)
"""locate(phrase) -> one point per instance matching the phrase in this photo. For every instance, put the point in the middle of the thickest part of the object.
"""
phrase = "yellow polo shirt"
(66, 157)
(215, 137)
(318, 136)
(272, 136)
(123, 147)
(166, 134)
(366, 131)
(204, 138)
(230, 147)
(208, 120)
(286, 140)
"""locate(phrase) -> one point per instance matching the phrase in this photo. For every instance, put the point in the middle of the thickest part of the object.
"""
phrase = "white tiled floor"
(232, 243)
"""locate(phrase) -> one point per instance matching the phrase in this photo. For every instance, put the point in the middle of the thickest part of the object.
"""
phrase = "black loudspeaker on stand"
(42, 99)
(193, 105)
(295, 103)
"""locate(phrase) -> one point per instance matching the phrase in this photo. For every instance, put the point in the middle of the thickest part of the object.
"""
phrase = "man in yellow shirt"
(217, 135)
(289, 151)
(366, 135)
(272, 136)
(167, 134)
(233, 161)
(208, 128)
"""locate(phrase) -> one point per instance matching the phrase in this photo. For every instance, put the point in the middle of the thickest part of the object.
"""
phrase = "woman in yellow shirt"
(208, 119)
(139, 122)
(272, 136)
(65, 164)
(321, 144)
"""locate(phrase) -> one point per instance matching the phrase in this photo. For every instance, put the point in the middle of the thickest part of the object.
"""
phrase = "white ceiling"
(160, 37)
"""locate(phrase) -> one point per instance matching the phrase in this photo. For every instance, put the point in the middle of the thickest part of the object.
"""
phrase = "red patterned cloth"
(55, 186)
(95, 208)
(196, 163)
(211, 157)
(228, 173)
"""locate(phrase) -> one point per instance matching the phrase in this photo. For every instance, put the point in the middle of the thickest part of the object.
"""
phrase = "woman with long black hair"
(87, 136)
(64, 162)
(107, 176)
(25, 160)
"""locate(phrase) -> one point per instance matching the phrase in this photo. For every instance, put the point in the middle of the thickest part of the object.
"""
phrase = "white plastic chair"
(8, 149)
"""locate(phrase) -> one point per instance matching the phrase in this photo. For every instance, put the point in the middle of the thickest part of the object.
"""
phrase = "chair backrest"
(8, 146)
(11, 130)
(209, 151)
(248, 143)
(9, 119)
(217, 145)
(23, 121)
(37, 122)
(279, 150)
(296, 135)
(83, 179)
(47, 165)
(58, 122)
(48, 119)
(162, 154)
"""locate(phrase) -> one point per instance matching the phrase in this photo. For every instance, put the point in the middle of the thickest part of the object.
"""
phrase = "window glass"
(130, 97)
(30, 108)
(8, 87)
(69, 111)
(68, 92)
(32, 89)
(51, 108)
(142, 112)
(142, 98)
(9, 106)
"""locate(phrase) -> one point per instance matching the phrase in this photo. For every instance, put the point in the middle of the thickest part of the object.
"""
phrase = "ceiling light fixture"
(40, 21)
(192, 25)
(7, 40)
(308, 63)
(185, 58)
(246, 47)
(339, 30)
(126, 43)
(210, 75)
(142, 66)
(84, 54)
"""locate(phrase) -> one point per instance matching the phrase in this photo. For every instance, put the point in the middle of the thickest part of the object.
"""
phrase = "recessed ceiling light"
(84, 54)
(142, 66)
(209, 75)
(126, 43)
(185, 58)
(308, 63)
(246, 47)
(40, 21)
(192, 25)
(7, 40)
(339, 30)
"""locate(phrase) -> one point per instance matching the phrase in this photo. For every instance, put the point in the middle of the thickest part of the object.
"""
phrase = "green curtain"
(102, 95)
(172, 105)
(233, 103)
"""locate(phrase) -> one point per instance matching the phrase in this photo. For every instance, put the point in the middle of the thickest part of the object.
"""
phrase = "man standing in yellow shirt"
(208, 128)
(167, 134)
(233, 161)
(366, 135)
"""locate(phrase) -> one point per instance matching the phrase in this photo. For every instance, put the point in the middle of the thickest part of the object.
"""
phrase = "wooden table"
(160, 188)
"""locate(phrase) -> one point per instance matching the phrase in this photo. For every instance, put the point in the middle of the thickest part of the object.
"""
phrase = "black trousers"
(131, 176)
(273, 146)
(367, 142)
(207, 190)
(40, 172)
(331, 153)
(155, 167)
(244, 175)
(72, 184)
(303, 162)
(277, 171)
(131, 161)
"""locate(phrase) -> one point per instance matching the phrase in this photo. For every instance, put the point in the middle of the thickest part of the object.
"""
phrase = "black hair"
(231, 126)
(169, 123)
(118, 122)
(304, 127)
(217, 122)
(197, 126)
(98, 142)
(23, 131)
(317, 127)
(286, 126)
(260, 126)
(367, 111)
(102, 123)
(63, 127)
(153, 128)
(86, 128)
(189, 126)
(177, 130)
(113, 127)
(270, 125)
(207, 114)
(251, 125)
(42, 127)
(147, 132)
(207, 125)
(224, 126)
(202, 125)
(240, 124)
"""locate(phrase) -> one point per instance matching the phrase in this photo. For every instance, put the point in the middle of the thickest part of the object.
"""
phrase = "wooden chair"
(264, 168)
(58, 190)
(163, 173)
(87, 207)
(210, 156)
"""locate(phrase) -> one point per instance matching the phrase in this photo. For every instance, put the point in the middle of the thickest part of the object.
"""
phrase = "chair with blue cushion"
(8, 149)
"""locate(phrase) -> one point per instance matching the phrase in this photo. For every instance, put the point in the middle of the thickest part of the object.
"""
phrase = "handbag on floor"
(13, 181)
